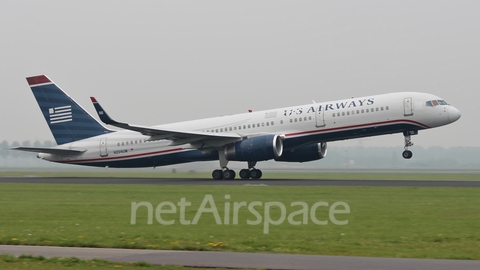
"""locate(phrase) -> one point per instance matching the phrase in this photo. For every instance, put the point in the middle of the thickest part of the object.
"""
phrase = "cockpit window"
(442, 102)
(433, 103)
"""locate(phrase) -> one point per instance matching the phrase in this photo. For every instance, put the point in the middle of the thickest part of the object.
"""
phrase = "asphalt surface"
(235, 259)
(240, 260)
(269, 182)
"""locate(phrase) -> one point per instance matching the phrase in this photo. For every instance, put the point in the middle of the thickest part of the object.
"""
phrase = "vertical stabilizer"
(67, 120)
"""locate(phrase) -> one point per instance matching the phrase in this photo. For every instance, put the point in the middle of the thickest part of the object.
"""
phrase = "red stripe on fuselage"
(122, 157)
(326, 130)
(355, 126)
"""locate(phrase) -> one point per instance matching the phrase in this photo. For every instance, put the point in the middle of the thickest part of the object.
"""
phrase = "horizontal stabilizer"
(55, 151)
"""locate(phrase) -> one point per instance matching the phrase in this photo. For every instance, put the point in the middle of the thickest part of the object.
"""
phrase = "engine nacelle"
(310, 152)
(255, 149)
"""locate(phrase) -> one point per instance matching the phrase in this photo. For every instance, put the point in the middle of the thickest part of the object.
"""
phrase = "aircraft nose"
(453, 114)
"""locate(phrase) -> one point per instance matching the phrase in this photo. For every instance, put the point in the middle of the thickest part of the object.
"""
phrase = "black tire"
(407, 154)
(217, 174)
(244, 174)
(256, 174)
(229, 174)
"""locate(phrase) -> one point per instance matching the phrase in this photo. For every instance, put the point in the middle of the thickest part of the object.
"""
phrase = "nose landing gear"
(407, 154)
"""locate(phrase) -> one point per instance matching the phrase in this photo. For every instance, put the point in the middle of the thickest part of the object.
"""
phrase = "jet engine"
(255, 149)
(310, 152)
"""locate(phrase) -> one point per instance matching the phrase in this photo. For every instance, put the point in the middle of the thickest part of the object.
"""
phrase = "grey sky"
(154, 62)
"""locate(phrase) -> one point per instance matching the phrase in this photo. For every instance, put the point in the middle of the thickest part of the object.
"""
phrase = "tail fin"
(67, 120)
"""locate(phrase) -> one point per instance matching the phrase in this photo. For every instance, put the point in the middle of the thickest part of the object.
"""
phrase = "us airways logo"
(60, 114)
(355, 103)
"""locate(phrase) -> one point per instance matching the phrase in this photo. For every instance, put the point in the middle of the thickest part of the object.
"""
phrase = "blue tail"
(67, 120)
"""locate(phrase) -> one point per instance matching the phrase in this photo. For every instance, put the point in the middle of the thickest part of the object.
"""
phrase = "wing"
(56, 151)
(197, 139)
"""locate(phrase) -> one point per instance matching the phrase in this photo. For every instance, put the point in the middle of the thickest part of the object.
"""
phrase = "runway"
(240, 260)
(266, 182)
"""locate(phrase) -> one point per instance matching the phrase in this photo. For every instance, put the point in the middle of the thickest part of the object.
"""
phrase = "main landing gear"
(251, 172)
(407, 154)
(227, 174)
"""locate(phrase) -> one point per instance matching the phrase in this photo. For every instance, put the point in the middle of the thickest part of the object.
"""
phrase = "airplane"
(290, 134)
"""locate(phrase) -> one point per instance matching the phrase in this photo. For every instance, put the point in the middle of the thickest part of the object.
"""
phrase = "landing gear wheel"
(229, 174)
(244, 174)
(407, 154)
(217, 174)
(256, 174)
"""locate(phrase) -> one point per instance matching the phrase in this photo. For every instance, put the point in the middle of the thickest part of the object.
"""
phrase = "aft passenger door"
(103, 147)
(407, 106)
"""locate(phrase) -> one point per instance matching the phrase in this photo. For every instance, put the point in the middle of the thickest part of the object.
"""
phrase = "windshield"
(433, 103)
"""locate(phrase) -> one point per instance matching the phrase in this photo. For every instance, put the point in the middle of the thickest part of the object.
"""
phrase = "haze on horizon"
(150, 62)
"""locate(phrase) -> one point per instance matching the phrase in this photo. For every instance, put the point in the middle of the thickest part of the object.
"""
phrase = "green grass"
(383, 221)
(9, 262)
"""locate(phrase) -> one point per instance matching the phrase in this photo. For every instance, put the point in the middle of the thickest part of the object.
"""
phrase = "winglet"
(103, 114)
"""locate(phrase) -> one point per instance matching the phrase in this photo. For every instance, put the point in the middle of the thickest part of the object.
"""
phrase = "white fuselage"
(298, 125)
